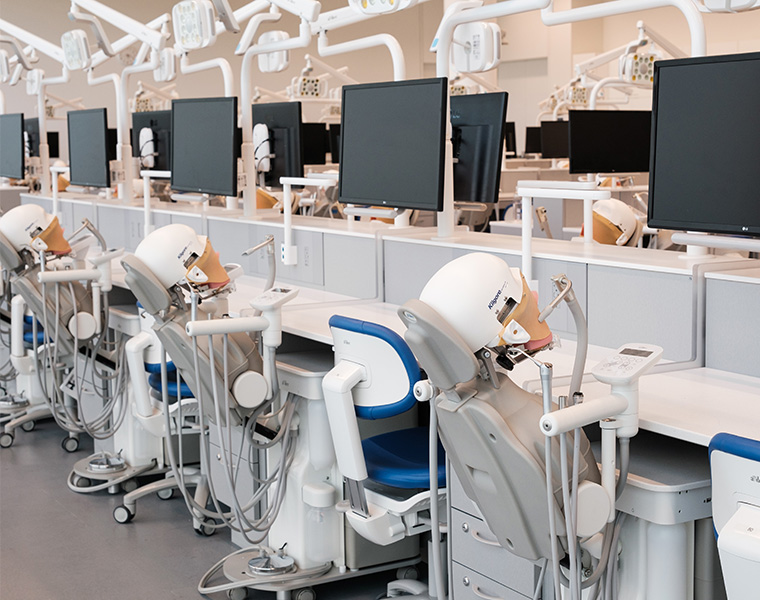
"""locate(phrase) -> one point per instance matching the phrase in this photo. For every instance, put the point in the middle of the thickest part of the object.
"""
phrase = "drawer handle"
(479, 538)
(481, 594)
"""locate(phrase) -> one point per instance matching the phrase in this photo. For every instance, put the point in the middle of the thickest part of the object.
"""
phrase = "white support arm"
(36, 42)
(566, 419)
(223, 326)
(373, 41)
(336, 387)
(18, 308)
(67, 275)
(618, 7)
(337, 73)
(134, 349)
(141, 32)
(662, 41)
(613, 82)
(125, 42)
(215, 63)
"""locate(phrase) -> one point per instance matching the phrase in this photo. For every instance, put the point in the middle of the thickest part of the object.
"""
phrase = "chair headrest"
(9, 258)
(439, 349)
(145, 285)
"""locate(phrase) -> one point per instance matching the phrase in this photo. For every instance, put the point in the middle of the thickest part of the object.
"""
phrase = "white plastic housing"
(261, 148)
(477, 47)
(5, 67)
(147, 148)
(76, 50)
(273, 62)
(639, 67)
(167, 66)
(739, 549)
(379, 7)
(34, 81)
(194, 24)
(733, 6)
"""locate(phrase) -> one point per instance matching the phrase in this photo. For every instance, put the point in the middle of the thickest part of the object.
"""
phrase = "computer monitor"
(32, 129)
(335, 143)
(478, 122)
(554, 139)
(532, 140)
(283, 119)
(91, 146)
(392, 144)
(159, 122)
(316, 144)
(12, 146)
(609, 141)
(706, 145)
(510, 139)
(205, 146)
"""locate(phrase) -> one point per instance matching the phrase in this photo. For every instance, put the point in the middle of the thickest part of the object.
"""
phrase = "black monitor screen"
(392, 144)
(316, 144)
(159, 123)
(283, 119)
(554, 139)
(478, 122)
(90, 147)
(205, 146)
(32, 129)
(12, 146)
(510, 138)
(706, 145)
(532, 140)
(335, 142)
(609, 141)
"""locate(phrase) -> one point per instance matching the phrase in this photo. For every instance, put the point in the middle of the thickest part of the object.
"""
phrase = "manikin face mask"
(206, 269)
(520, 322)
(50, 239)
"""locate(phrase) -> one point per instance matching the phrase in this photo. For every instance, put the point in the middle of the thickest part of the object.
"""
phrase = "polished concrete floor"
(56, 544)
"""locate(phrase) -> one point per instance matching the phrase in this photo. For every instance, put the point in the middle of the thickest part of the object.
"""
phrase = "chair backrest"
(9, 258)
(242, 353)
(391, 367)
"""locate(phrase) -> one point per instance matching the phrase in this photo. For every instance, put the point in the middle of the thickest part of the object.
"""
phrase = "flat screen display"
(160, 124)
(510, 139)
(609, 141)
(90, 147)
(705, 147)
(32, 129)
(532, 140)
(205, 146)
(392, 144)
(12, 146)
(335, 143)
(554, 139)
(478, 124)
(283, 119)
(316, 143)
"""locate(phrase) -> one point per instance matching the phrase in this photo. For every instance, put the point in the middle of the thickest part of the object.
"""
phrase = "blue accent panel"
(156, 367)
(29, 337)
(407, 358)
(400, 459)
(154, 380)
(738, 446)
(29, 319)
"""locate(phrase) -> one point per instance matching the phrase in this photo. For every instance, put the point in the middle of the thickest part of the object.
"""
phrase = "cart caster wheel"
(237, 593)
(6, 440)
(166, 494)
(408, 573)
(206, 529)
(29, 426)
(70, 444)
(122, 514)
(82, 482)
(130, 485)
(305, 594)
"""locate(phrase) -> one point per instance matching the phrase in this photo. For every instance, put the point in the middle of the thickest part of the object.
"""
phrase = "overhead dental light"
(379, 7)
(76, 50)
(194, 24)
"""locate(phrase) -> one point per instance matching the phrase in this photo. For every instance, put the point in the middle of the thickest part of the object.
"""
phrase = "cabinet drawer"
(474, 546)
(470, 585)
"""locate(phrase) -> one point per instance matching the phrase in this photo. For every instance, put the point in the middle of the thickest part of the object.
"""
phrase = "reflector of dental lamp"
(34, 81)
(308, 87)
(487, 303)
(273, 62)
(76, 50)
(639, 66)
(5, 67)
(194, 24)
(476, 47)
(167, 66)
(379, 7)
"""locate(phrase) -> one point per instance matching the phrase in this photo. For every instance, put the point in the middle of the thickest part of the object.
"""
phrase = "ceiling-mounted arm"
(126, 41)
(661, 41)
(256, 21)
(24, 60)
(227, 17)
(155, 39)
(312, 60)
(36, 42)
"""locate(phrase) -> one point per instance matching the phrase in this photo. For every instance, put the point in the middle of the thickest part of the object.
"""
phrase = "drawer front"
(473, 545)
(471, 585)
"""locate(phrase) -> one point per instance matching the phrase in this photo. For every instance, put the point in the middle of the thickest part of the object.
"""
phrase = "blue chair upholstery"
(154, 381)
(397, 458)
(29, 337)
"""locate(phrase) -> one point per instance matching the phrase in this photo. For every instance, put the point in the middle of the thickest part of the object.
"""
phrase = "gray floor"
(59, 545)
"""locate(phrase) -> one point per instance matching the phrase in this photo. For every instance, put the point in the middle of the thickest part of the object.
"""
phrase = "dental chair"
(735, 470)
(388, 476)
